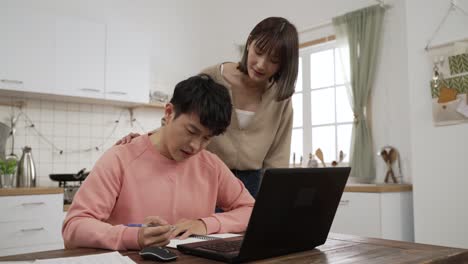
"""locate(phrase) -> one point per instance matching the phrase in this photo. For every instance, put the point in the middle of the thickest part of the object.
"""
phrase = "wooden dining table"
(338, 248)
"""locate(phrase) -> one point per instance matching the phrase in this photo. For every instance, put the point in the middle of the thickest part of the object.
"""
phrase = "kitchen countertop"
(372, 188)
(367, 188)
(30, 191)
(378, 188)
(33, 191)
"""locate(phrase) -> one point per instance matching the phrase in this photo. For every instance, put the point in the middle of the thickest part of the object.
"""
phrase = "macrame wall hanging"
(449, 83)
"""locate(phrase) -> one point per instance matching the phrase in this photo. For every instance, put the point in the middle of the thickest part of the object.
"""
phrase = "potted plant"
(7, 172)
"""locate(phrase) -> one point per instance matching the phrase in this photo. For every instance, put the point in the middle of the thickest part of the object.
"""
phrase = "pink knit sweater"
(132, 181)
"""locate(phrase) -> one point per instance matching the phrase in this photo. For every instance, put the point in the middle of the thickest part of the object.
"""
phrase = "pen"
(138, 225)
(145, 225)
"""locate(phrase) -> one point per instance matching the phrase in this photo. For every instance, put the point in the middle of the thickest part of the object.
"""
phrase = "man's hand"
(127, 139)
(158, 232)
(185, 228)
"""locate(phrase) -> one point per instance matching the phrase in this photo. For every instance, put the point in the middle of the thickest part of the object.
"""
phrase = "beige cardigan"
(265, 142)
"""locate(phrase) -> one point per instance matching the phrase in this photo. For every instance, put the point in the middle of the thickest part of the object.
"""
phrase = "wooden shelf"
(378, 188)
(152, 105)
(19, 104)
(68, 99)
(148, 105)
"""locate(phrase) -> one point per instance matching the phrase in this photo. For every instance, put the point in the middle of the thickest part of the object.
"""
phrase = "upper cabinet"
(128, 63)
(80, 57)
(27, 46)
(72, 56)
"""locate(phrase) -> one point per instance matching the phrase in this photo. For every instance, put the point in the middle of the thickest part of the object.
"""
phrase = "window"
(322, 114)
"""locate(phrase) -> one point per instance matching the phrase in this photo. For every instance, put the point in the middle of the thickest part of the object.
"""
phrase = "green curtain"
(358, 35)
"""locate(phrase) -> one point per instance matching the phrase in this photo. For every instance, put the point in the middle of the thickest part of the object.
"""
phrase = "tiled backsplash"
(73, 128)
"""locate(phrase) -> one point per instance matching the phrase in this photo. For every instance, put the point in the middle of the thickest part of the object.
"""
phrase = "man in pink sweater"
(165, 180)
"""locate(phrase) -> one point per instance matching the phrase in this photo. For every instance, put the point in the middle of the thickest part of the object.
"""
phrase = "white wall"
(390, 100)
(227, 23)
(439, 154)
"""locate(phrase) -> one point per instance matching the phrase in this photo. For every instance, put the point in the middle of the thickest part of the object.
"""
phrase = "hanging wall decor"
(449, 83)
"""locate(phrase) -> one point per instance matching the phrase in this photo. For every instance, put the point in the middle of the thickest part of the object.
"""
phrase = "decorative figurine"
(389, 155)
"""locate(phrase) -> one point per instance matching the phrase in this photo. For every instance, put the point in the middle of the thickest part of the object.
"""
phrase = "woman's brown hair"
(276, 35)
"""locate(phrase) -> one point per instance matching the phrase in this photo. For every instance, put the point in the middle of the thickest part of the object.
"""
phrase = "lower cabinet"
(30, 223)
(387, 215)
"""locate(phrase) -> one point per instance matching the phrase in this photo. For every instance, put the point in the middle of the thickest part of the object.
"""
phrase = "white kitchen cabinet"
(127, 63)
(387, 215)
(77, 57)
(27, 48)
(80, 57)
(30, 223)
(43, 53)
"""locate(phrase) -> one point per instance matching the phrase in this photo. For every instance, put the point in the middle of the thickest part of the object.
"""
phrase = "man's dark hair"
(201, 95)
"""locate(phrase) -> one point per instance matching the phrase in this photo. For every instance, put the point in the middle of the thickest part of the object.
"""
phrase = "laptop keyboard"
(226, 246)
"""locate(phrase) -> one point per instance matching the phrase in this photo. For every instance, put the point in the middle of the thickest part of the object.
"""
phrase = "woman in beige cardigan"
(261, 86)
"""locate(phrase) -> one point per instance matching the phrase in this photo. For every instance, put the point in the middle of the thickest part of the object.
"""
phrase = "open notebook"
(197, 238)
(104, 258)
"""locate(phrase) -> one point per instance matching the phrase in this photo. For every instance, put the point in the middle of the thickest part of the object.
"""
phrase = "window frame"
(306, 91)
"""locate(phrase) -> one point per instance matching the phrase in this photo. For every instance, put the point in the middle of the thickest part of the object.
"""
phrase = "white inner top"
(244, 117)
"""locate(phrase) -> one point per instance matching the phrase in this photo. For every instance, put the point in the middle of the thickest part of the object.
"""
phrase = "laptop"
(293, 212)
